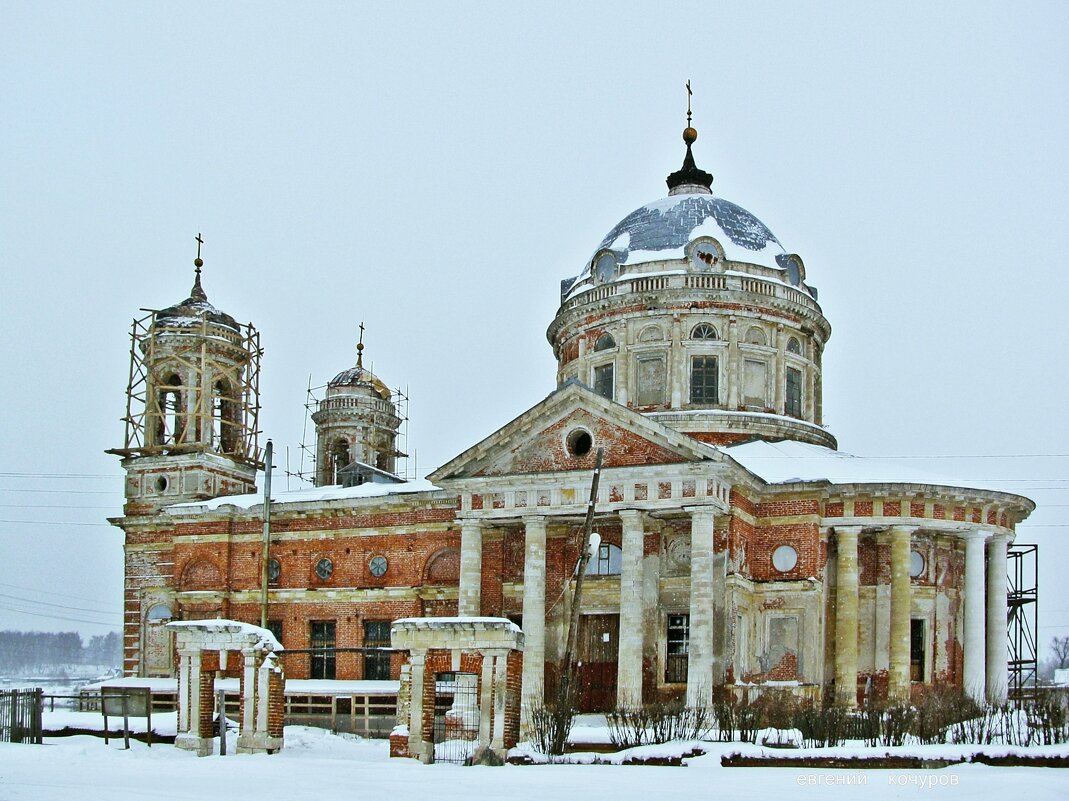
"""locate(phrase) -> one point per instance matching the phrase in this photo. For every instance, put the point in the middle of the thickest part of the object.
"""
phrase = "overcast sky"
(435, 169)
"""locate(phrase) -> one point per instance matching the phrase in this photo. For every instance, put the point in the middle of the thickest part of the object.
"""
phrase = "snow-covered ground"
(316, 764)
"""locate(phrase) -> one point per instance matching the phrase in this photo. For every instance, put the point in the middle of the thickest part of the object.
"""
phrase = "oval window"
(916, 564)
(784, 558)
(274, 569)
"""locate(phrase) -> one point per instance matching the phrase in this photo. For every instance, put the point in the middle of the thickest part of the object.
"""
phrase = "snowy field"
(316, 764)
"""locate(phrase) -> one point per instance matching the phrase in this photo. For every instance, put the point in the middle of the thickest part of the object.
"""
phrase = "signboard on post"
(127, 702)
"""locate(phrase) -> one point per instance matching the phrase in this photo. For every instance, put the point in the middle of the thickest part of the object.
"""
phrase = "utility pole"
(268, 465)
(567, 687)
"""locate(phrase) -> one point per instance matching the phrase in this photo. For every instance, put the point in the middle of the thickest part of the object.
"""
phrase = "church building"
(738, 547)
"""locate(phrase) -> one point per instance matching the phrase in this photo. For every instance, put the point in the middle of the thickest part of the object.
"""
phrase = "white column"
(486, 694)
(846, 603)
(975, 682)
(998, 677)
(700, 658)
(185, 694)
(248, 691)
(471, 568)
(901, 601)
(534, 611)
(629, 660)
(415, 706)
(500, 690)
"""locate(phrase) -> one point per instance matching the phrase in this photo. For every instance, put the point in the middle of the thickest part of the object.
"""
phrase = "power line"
(61, 617)
(64, 491)
(58, 606)
(53, 523)
(48, 506)
(49, 592)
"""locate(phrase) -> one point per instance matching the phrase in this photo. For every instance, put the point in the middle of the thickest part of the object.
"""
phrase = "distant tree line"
(22, 651)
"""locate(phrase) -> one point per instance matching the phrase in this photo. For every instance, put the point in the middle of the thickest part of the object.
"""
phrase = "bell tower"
(192, 404)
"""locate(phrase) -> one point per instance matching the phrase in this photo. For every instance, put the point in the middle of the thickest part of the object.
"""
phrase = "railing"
(20, 716)
(751, 284)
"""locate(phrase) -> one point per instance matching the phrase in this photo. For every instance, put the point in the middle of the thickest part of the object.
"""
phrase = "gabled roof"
(537, 440)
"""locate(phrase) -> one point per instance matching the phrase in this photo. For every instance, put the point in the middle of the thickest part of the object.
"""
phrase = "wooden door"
(597, 651)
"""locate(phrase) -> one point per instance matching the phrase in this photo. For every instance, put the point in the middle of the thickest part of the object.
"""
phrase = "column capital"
(534, 520)
(698, 511)
(973, 534)
(901, 529)
(998, 538)
(472, 522)
(630, 515)
(850, 532)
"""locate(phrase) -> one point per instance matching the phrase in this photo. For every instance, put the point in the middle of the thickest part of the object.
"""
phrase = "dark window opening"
(916, 650)
(225, 418)
(275, 627)
(603, 380)
(170, 427)
(704, 380)
(377, 663)
(604, 342)
(339, 458)
(579, 443)
(677, 649)
(794, 392)
(323, 658)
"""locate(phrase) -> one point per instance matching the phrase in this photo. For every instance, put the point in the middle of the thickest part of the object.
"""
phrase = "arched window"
(704, 331)
(605, 342)
(339, 458)
(169, 430)
(159, 613)
(224, 417)
(606, 562)
(794, 346)
(756, 336)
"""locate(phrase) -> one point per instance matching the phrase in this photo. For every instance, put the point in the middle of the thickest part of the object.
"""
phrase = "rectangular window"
(678, 646)
(794, 392)
(704, 378)
(755, 383)
(323, 657)
(916, 650)
(275, 627)
(603, 380)
(649, 376)
(377, 663)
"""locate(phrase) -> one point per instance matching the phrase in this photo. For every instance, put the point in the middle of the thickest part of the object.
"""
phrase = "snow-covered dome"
(661, 230)
(194, 309)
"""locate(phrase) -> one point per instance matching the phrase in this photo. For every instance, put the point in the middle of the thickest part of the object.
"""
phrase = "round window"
(784, 558)
(274, 569)
(916, 564)
(378, 566)
(324, 568)
(579, 442)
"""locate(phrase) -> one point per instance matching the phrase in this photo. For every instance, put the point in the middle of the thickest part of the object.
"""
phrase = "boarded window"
(704, 380)
(649, 374)
(783, 640)
(794, 392)
(756, 336)
(755, 383)
(603, 380)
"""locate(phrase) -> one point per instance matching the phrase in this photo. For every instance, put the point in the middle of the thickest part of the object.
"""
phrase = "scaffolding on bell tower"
(1023, 617)
(193, 387)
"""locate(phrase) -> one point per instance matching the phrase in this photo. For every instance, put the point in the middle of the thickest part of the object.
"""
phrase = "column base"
(259, 743)
(201, 746)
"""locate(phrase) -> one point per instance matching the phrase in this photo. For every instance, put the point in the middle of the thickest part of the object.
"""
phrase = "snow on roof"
(435, 622)
(789, 461)
(332, 493)
(265, 639)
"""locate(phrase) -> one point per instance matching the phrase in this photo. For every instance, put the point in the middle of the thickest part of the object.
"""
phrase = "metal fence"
(20, 715)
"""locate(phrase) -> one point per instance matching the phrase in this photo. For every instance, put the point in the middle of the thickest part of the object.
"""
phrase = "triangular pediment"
(548, 438)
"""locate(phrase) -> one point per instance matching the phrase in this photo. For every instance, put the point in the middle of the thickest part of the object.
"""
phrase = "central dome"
(660, 230)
